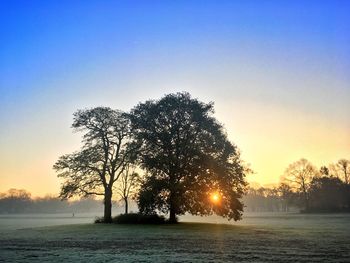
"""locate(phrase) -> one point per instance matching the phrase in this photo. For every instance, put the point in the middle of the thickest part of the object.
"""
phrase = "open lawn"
(284, 238)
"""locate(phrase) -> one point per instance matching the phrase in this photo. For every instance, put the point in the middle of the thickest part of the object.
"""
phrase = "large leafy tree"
(106, 151)
(187, 157)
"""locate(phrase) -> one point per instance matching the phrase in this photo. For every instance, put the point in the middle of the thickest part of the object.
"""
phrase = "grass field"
(262, 238)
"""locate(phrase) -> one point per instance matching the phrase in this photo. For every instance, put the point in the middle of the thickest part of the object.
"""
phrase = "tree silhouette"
(129, 182)
(105, 152)
(328, 194)
(299, 175)
(188, 156)
(343, 167)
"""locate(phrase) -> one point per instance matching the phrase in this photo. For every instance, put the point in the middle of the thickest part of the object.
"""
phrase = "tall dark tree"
(188, 157)
(105, 152)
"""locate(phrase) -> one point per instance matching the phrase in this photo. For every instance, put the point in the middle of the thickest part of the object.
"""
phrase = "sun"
(215, 197)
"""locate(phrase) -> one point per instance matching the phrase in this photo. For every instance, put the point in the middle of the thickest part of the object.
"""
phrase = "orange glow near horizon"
(269, 144)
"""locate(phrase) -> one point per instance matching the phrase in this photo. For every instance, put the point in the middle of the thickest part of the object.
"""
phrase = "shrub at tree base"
(135, 218)
(99, 220)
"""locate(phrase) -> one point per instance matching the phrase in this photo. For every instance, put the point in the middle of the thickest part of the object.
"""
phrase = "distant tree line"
(270, 199)
(305, 188)
(20, 201)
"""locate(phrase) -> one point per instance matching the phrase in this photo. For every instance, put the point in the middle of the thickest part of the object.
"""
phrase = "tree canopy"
(328, 194)
(187, 156)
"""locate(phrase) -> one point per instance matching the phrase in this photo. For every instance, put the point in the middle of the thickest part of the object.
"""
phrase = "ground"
(262, 238)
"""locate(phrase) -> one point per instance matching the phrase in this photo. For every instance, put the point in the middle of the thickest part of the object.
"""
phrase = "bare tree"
(299, 175)
(342, 170)
(105, 153)
(129, 182)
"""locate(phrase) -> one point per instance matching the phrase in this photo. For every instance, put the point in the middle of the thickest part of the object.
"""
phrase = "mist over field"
(59, 231)
(258, 237)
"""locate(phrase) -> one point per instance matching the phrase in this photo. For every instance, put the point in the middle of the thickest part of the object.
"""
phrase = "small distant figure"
(73, 215)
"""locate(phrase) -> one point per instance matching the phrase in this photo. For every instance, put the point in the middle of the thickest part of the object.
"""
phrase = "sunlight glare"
(215, 197)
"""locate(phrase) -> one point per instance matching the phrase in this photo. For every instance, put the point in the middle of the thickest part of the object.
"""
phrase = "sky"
(278, 73)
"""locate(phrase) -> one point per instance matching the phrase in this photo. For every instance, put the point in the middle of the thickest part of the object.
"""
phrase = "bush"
(134, 218)
(99, 220)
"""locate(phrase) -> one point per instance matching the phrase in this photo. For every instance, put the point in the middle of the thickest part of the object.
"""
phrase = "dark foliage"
(99, 220)
(187, 156)
(329, 194)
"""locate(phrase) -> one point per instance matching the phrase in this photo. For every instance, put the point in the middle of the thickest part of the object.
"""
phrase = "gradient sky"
(277, 71)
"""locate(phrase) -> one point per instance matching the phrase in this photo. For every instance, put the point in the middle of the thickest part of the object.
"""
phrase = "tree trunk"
(172, 217)
(126, 205)
(306, 199)
(108, 206)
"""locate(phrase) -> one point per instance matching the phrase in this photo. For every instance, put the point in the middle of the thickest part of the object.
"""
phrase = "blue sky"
(269, 66)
